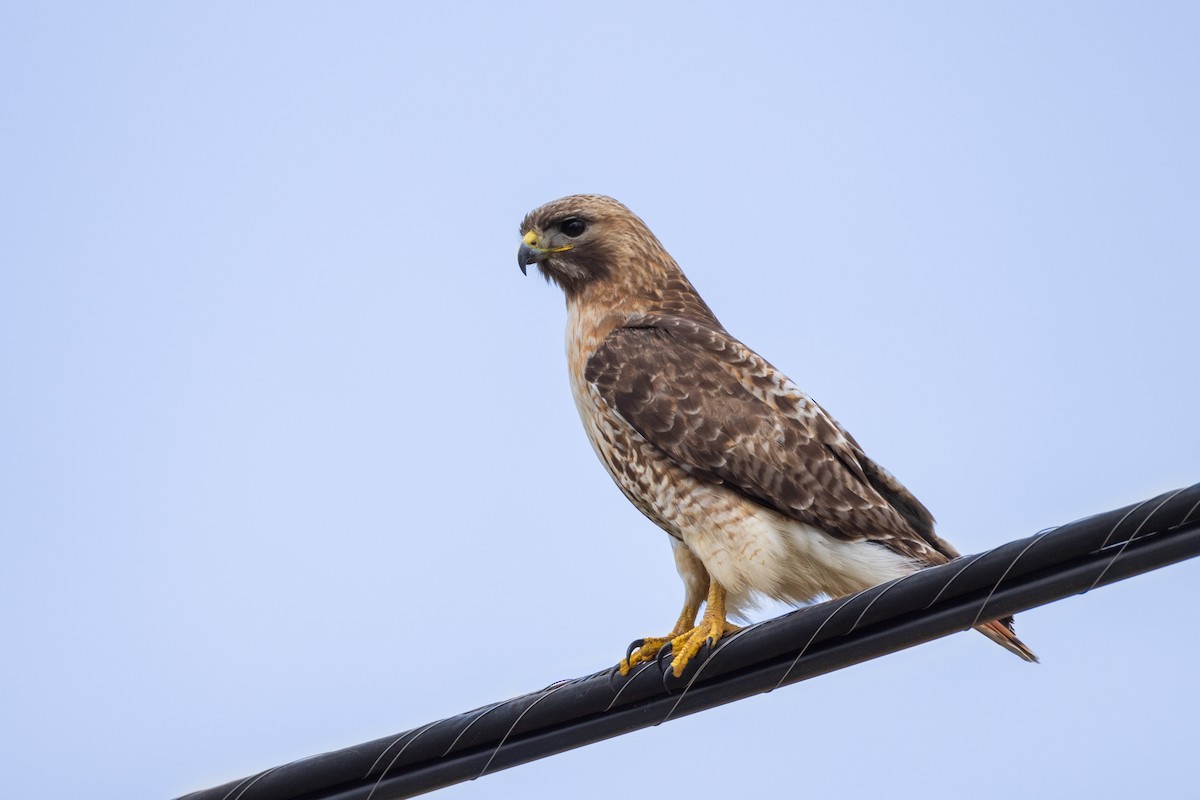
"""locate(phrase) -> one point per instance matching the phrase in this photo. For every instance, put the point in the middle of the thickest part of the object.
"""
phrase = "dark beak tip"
(526, 255)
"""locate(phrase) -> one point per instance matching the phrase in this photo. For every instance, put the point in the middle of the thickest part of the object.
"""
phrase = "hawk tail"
(1000, 631)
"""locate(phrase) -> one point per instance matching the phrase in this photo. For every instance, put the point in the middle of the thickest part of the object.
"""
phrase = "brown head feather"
(616, 261)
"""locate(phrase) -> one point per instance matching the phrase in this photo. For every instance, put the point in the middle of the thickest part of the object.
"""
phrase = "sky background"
(288, 460)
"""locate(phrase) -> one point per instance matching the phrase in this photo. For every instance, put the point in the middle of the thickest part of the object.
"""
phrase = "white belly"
(765, 553)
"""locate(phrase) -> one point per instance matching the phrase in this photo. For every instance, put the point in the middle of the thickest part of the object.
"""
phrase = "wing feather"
(725, 415)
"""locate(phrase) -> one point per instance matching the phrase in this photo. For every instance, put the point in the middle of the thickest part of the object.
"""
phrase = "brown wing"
(724, 414)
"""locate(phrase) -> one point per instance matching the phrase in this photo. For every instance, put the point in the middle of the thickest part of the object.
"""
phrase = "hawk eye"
(573, 226)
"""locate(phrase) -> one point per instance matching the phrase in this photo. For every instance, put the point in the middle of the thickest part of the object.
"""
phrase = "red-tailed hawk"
(761, 491)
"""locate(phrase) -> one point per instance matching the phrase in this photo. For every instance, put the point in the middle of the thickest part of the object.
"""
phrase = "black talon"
(634, 646)
(665, 652)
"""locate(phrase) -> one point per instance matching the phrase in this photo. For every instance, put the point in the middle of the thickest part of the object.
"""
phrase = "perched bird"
(760, 490)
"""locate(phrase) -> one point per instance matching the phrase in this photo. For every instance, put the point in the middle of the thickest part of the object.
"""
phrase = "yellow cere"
(533, 241)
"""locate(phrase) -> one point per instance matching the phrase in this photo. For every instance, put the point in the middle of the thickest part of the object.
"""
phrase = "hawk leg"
(686, 638)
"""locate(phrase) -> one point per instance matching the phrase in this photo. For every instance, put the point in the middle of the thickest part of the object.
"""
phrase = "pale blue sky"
(288, 456)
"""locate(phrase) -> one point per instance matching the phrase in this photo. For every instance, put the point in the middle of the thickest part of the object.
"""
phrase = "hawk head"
(581, 239)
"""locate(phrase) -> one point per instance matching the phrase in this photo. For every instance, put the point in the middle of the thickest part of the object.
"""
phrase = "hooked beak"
(531, 251)
(526, 255)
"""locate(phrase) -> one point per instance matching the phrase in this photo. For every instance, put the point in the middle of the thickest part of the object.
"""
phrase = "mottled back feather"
(725, 415)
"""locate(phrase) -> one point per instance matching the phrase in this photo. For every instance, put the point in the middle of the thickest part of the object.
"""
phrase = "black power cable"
(934, 602)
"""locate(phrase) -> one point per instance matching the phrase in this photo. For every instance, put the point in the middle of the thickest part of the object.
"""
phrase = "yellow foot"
(686, 645)
(646, 651)
(684, 639)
